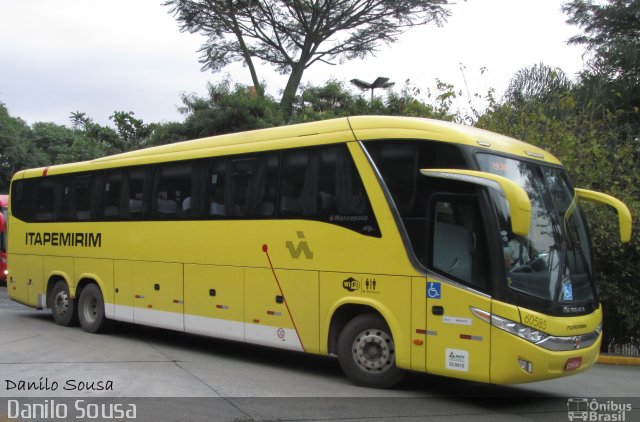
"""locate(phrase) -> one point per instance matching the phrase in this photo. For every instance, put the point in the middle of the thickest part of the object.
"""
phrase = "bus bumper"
(515, 360)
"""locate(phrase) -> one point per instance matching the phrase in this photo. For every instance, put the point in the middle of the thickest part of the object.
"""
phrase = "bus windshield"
(554, 261)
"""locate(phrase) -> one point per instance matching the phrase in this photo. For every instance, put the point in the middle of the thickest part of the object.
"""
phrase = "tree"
(611, 33)
(539, 81)
(292, 35)
(608, 95)
(228, 108)
(127, 137)
(17, 149)
(62, 145)
(133, 133)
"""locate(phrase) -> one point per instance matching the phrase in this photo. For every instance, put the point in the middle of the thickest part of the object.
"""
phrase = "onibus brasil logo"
(582, 409)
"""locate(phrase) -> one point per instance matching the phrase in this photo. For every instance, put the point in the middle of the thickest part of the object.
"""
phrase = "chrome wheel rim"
(373, 351)
(61, 303)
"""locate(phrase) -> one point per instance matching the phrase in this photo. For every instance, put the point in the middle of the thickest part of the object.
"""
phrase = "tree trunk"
(289, 94)
(249, 62)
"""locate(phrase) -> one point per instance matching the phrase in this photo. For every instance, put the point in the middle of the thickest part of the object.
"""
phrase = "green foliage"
(17, 150)
(329, 101)
(102, 135)
(132, 132)
(63, 145)
(334, 99)
(611, 32)
(228, 108)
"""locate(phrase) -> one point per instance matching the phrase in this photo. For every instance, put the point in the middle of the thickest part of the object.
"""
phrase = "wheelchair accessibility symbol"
(433, 290)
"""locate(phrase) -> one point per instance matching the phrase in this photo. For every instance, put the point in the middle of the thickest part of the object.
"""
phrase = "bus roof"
(357, 128)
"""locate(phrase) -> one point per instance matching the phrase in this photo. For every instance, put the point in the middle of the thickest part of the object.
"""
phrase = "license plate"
(573, 363)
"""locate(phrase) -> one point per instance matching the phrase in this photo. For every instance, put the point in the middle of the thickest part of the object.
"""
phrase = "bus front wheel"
(63, 306)
(91, 309)
(367, 353)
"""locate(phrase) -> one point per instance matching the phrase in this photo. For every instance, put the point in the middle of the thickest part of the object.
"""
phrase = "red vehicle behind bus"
(4, 204)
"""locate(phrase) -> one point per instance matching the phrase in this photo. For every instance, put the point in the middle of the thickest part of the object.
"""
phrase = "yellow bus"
(391, 243)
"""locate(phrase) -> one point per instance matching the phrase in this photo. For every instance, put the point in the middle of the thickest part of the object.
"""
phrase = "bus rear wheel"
(91, 310)
(367, 353)
(63, 306)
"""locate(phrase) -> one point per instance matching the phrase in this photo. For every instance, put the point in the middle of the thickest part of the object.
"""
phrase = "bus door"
(458, 342)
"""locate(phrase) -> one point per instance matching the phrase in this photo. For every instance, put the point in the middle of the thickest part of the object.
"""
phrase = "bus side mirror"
(519, 204)
(3, 223)
(624, 215)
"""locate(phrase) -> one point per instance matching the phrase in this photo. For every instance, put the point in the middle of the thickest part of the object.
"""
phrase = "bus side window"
(22, 199)
(77, 197)
(458, 239)
(134, 191)
(217, 189)
(323, 184)
(252, 185)
(299, 186)
(48, 198)
(173, 193)
(111, 187)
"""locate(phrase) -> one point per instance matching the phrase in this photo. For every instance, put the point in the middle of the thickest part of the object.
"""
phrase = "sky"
(100, 56)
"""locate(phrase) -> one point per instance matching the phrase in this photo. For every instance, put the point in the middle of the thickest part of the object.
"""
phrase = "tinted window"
(313, 183)
(135, 193)
(111, 188)
(253, 184)
(218, 188)
(22, 199)
(399, 164)
(47, 199)
(323, 184)
(77, 200)
(244, 186)
(173, 192)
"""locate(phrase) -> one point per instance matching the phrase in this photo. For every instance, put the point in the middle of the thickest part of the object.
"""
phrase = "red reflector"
(573, 363)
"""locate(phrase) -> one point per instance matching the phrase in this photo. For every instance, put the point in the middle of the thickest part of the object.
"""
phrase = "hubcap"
(61, 303)
(90, 309)
(373, 351)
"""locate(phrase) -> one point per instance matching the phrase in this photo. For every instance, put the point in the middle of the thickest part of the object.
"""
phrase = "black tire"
(367, 353)
(63, 307)
(91, 310)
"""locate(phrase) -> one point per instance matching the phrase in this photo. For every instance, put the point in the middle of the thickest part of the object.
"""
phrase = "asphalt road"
(173, 376)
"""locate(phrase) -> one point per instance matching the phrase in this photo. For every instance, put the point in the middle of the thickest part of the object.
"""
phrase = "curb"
(619, 360)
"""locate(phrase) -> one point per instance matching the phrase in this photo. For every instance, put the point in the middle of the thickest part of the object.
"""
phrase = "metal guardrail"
(630, 348)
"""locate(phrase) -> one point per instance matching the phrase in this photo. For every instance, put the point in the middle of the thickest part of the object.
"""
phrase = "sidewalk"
(618, 360)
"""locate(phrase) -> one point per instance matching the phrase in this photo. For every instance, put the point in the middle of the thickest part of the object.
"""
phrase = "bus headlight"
(520, 330)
